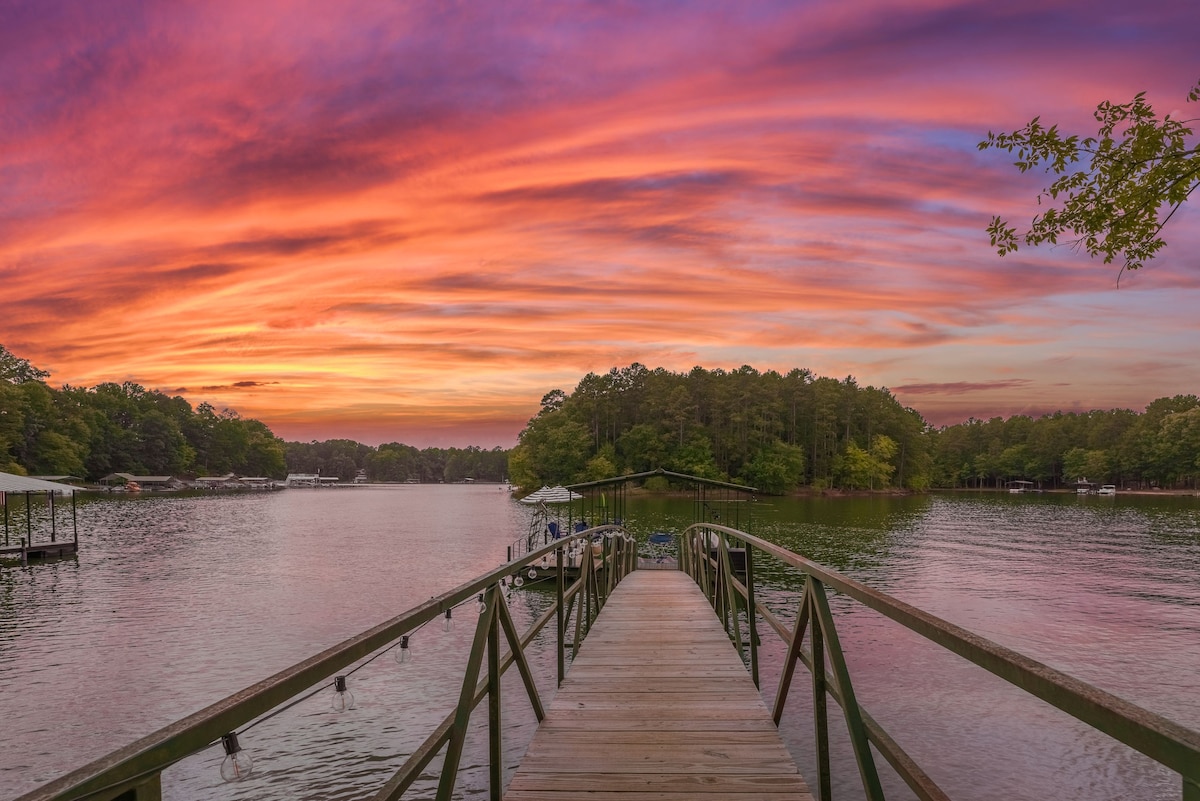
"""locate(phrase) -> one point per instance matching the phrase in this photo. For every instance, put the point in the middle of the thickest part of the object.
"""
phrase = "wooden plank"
(657, 705)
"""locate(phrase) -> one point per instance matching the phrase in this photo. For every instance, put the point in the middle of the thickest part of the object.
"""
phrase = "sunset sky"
(408, 221)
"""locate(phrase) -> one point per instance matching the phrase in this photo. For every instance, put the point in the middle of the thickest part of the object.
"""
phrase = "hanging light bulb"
(238, 764)
(403, 653)
(481, 606)
(545, 562)
(448, 621)
(532, 573)
(343, 699)
(518, 581)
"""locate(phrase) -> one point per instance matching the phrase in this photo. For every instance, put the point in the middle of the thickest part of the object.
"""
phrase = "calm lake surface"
(175, 602)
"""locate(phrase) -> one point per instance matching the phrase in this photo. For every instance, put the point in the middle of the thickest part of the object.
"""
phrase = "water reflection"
(175, 602)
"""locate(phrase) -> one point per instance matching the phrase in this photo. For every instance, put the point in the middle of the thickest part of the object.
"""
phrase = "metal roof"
(708, 482)
(551, 495)
(15, 483)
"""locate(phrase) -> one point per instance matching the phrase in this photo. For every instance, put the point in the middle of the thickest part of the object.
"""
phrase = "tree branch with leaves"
(1115, 191)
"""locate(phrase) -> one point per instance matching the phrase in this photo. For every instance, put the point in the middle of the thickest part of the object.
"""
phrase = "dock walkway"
(657, 705)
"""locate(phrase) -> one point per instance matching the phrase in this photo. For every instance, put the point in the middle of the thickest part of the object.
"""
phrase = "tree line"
(779, 432)
(396, 462)
(1159, 447)
(773, 431)
(108, 428)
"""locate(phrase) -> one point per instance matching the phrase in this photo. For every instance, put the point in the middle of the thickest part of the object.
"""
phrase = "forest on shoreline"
(780, 432)
(777, 432)
(109, 428)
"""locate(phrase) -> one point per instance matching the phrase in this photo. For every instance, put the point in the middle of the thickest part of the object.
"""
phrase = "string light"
(238, 763)
(343, 699)
(403, 653)
(448, 621)
(480, 606)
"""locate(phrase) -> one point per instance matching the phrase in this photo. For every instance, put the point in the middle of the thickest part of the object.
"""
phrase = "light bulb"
(238, 764)
(545, 562)
(532, 573)
(343, 699)
(481, 607)
(448, 622)
(518, 581)
(403, 653)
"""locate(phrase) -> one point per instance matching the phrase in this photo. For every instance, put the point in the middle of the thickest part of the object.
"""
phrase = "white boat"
(1108, 489)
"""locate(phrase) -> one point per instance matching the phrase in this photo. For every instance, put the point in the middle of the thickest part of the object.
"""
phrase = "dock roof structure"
(10, 482)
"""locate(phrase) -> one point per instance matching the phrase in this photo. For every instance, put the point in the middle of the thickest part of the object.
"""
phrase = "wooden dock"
(657, 705)
(40, 550)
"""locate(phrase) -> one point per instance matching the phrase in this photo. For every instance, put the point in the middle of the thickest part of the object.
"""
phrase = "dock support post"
(1191, 788)
(751, 614)
(495, 744)
(820, 711)
(560, 613)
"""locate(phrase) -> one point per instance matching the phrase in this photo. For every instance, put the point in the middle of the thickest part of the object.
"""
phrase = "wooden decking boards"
(657, 705)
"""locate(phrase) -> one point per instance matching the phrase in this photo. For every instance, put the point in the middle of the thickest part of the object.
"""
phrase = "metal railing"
(133, 773)
(722, 560)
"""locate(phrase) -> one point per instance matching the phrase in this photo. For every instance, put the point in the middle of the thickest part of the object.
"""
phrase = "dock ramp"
(657, 704)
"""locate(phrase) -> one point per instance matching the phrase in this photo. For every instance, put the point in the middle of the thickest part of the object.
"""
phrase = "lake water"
(175, 602)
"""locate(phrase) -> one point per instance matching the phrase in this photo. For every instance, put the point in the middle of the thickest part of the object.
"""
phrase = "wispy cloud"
(443, 211)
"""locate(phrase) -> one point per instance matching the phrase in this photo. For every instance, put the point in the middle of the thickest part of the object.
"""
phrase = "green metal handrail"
(133, 773)
(705, 555)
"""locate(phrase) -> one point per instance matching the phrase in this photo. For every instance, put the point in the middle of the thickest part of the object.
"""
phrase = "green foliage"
(122, 427)
(870, 468)
(773, 431)
(553, 452)
(776, 469)
(1114, 191)
(657, 484)
(1079, 463)
(1153, 449)
(16, 370)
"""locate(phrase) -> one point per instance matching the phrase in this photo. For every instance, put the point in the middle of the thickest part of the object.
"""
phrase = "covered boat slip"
(30, 530)
(657, 705)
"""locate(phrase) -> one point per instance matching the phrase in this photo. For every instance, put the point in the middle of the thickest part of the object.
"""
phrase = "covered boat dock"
(32, 534)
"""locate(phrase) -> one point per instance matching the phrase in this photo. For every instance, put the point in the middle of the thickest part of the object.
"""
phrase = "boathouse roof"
(111, 477)
(707, 482)
(10, 482)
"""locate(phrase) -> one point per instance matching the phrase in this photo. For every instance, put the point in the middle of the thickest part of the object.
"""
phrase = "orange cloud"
(410, 221)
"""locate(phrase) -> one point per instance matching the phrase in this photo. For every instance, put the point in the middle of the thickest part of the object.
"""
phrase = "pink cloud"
(447, 211)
